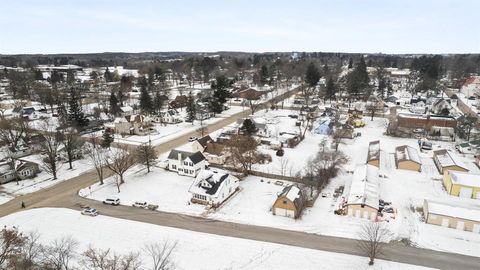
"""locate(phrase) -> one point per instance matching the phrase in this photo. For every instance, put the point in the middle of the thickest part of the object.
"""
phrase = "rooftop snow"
(465, 179)
(456, 211)
(447, 158)
(364, 187)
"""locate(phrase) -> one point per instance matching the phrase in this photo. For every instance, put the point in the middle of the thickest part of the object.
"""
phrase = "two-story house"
(186, 163)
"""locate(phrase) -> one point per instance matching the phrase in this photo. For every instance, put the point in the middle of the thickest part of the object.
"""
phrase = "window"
(174, 167)
(284, 201)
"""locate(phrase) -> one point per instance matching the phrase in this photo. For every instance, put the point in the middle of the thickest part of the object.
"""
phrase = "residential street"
(65, 194)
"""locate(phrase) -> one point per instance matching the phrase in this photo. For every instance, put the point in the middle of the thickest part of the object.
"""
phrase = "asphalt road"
(65, 195)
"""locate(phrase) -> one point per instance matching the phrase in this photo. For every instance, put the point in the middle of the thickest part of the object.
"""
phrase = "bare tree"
(13, 129)
(119, 161)
(97, 156)
(372, 237)
(71, 144)
(97, 259)
(284, 165)
(243, 151)
(59, 254)
(161, 255)
(30, 255)
(254, 101)
(11, 243)
(146, 155)
(50, 149)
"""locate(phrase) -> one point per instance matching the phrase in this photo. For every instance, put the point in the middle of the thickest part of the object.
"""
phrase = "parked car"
(89, 212)
(152, 207)
(192, 139)
(112, 201)
(140, 204)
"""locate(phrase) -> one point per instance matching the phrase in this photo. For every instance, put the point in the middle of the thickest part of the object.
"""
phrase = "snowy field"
(43, 180)
(193, 251)
(170, 131)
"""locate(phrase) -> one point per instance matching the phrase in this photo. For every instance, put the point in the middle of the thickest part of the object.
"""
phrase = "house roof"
(406, 152)
(204, 140)
(294, 194)
(373, 150)
(183, 154)
(214, 148)
(197, 157)
(364, 187)
(457, 211)
(465, 179)
(208, 182)
(194, 157)
(447, 158)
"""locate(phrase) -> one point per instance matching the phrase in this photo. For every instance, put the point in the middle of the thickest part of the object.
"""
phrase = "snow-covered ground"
(405, 189)
(193, 251)
(170, 131)
(43, 180)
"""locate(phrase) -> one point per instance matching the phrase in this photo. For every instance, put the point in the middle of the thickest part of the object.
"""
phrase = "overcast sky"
(388, 26)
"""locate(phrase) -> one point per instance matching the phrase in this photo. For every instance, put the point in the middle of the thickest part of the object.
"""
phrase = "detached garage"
(289, 203)
(407, 158)
(363, 196)
(464, 218)
(446, 160)
(462, 184)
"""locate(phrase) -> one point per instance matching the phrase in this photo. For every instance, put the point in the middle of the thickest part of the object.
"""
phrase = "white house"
(186, 163)
(168, 117)
(213, 187)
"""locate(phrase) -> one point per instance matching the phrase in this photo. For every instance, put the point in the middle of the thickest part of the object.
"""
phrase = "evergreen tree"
(263, 75)
(191, 108)
(158, 101)
(70, 77)
(220, 93)
(350, 63)
(107, 139)
(357, 80)
(145, 100)
(108, 75)
(330, 89)
(248, 127)
(312, 75)
(75, 111)
(114, 107)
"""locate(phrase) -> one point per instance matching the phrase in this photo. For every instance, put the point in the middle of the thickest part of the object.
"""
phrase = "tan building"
(289, 203)
(407, 158)
(363, 198)
(462, 184)
(458, 217)
(373, 157)
(447, 160)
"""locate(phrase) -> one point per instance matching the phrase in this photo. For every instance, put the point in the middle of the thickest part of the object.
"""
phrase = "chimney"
(179, 157)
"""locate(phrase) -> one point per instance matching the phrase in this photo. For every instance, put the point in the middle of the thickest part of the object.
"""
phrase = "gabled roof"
(364, 187)
(204, 140)
(294, 194)
(447, 158)
(407, 153)
(214, 148)
(183, 154)
(197, 157)
(208, 182)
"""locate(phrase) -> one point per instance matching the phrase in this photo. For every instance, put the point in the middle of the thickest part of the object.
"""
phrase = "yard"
(193, 251)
